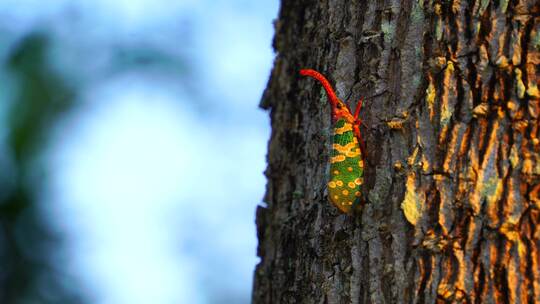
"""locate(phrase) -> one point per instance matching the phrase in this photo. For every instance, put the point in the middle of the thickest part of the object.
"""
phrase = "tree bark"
(452, 176)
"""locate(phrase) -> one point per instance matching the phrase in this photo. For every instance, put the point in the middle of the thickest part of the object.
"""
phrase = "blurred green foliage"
(28, 246)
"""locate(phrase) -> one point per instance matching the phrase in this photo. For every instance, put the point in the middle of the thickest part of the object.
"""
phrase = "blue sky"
(155, 177)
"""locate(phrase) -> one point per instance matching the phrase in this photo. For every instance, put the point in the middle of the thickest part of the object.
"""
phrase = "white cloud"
(118, 172)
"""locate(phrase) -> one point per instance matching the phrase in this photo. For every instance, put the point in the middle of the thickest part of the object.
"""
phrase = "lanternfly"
(346, 161)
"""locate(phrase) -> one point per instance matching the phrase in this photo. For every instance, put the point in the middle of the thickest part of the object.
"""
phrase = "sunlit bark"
(453, 165)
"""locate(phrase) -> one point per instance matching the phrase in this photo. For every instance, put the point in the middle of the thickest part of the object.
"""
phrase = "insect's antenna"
(326, 85)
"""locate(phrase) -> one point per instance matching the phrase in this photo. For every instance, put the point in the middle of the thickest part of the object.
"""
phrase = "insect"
(346, 160)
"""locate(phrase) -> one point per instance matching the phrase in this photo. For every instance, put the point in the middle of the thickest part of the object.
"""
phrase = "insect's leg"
(357, 112)
(357, 125)
(358, 107)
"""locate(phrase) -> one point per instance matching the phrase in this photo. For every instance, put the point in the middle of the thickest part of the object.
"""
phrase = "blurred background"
(132, 149)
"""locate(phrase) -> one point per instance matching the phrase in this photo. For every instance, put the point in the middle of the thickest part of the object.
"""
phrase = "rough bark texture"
(453, 167)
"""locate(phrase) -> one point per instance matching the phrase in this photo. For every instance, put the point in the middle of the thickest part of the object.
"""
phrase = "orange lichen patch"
(535, 259)
(462, 272)
(431, 94)
(528, 163)
(513, 108)
(446, 212)
(349, 203)
(346, 128)
(336, 197)
(532, 80)
(511, 233)
(349, 169)
(488, 185)
(412, 159)
(533, 90)
(351, 185)
(514, 205)
(361, 163)
(492, 191)
(395, 123)
(357, 193)
(515, 268)
(514, 157)
(534, 108)
(502, 62)
(413, 204)
(446, 290)
(521, 125)
(438, 62)
(481, 110)
(464, 147)
(534, 195)
(336, 172)
(437, 8)
(455, 143)
(358, 181)
(434, 242)
(520, 86)
(345, 192)
(426, 165)
(448, 98)
(339, 183)
(337, 159)
(331, 184)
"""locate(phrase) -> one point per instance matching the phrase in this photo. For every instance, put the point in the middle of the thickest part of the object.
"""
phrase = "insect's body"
(346, 162)
(346, 167)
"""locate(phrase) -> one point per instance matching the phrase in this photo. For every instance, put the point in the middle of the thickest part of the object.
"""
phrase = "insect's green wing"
(346, 169)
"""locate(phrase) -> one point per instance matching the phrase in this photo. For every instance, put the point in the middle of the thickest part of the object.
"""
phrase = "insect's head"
(341, 111)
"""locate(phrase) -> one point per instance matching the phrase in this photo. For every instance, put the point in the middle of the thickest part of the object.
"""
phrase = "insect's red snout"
(332, 98)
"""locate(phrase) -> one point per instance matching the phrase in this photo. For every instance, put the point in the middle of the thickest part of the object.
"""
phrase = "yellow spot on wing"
(337, 159)
(346, 127)
(345, 149)
(353, 153)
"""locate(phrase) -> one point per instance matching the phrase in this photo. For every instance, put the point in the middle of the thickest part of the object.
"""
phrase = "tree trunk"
(452, 171)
